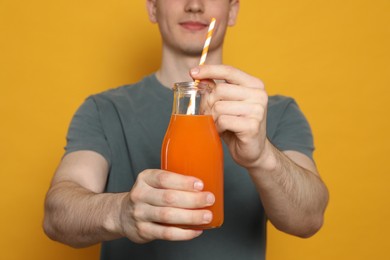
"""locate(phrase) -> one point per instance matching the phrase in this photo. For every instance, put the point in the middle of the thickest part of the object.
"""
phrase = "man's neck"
(175, 67)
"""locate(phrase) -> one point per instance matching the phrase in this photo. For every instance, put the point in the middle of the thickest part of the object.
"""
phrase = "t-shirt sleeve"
(293, 131)
(86, 132)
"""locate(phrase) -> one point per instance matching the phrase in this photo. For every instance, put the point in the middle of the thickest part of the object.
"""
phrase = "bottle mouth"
(191, 85)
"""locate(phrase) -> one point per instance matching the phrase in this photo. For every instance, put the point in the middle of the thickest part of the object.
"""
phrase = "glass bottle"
(192, 145)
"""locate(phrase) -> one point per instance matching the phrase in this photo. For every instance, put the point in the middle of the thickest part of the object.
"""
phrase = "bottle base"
(198, 227)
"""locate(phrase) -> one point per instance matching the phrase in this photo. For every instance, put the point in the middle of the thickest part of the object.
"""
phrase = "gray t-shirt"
(127, 125)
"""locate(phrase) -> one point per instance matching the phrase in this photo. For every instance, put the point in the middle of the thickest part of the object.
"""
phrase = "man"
(109, 188)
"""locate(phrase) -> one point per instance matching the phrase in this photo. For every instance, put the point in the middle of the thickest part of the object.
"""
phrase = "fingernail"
(210, 199)
(198, 185)
(194, 71)
(207, 217)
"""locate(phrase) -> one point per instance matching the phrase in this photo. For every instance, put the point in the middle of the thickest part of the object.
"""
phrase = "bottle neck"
(187, 98)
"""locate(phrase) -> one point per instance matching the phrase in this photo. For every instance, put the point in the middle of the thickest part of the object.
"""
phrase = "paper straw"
(207, 42)
(191, 105)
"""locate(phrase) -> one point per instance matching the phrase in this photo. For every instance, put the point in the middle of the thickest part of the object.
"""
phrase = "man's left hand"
(238, 104)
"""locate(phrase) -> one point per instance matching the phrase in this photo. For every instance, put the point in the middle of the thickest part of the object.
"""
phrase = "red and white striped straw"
(191, 105)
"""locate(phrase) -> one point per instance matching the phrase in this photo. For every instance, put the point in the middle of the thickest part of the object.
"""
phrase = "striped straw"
(207, 42)
(191, 105)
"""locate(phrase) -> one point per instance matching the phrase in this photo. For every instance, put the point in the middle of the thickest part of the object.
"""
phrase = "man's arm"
(292, 193)
(79, 214)
(76, 211)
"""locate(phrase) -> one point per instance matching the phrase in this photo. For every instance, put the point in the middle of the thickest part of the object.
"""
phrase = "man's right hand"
(161, 199)
(79, 213)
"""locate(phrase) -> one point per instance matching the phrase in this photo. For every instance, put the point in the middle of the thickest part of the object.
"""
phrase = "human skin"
(78, 213)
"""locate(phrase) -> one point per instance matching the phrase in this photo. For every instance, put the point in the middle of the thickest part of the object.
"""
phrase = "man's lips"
(193, 26)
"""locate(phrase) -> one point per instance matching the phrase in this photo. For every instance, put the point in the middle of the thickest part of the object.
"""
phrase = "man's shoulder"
(279, 100)
(278, 106)
(135, 99)
(125, 90)
(279, 103)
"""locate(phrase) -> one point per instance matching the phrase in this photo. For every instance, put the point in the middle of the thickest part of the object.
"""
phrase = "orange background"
(332, 56)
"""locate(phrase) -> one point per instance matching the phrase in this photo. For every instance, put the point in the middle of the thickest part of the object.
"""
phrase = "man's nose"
(194, 6)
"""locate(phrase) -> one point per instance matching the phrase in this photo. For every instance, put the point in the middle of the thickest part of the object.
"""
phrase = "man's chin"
(192, 52)
(187, 50)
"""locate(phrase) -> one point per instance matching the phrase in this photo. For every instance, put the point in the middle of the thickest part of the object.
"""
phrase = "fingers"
(148, 231)
(168, 215)
(167, 180)
(178, 199)
(235, 108)
(242, 127)
(226, 73)
(224, 91)
(238, 104)
(238, 110)
(161, 198)
(167, 189)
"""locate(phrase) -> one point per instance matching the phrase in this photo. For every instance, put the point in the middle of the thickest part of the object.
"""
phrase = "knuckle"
(259, 83)
(262, 114)
(229, 69)
(169, 198)
(258, 111)
(222, 123)
(134, 196)
(264, 97)
(253, 125)
(260, 95)
(142, 231)
(165, 215)
(143, 174)
(218, 121)
(222, 120)
(138, 213)
(218, 89)
(218, 106)
(162, 178)
(168, 234)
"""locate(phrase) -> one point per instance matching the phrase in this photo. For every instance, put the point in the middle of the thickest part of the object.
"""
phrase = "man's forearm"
(294, 198)
(79, 217)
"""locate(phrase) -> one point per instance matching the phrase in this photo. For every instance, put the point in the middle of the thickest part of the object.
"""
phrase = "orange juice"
(192, 147)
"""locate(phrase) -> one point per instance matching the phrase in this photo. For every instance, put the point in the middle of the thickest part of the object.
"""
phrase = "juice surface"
(192, 147)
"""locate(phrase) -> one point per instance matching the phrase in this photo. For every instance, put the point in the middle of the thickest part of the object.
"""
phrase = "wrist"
(267, 161)
(112, 222)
